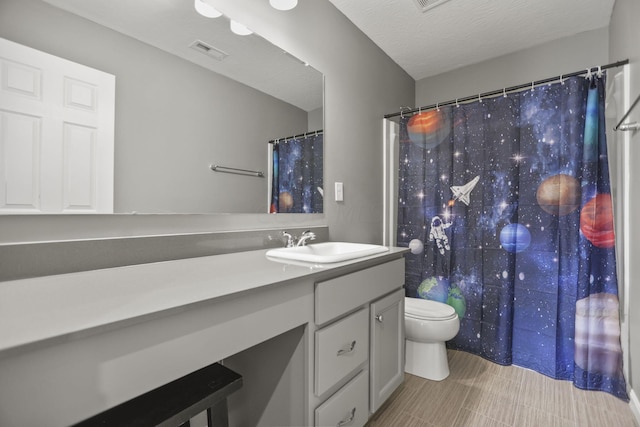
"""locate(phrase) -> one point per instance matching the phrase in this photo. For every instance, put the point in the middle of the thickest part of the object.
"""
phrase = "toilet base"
(427, 360)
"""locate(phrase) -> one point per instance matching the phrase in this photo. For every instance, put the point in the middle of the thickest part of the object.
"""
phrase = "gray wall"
(362, 84)
(173, 118)
(566, 55)
(624, 34)
(316, 118)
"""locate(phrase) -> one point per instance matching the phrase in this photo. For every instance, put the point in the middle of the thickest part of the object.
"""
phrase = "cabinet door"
(387, 347)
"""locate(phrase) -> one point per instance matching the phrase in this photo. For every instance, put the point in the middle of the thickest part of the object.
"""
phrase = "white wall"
(624, 34)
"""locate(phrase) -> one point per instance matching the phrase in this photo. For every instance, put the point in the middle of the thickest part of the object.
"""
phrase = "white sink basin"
(327, 252)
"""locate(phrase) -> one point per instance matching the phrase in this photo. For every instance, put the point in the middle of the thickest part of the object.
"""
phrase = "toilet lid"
(425, 309)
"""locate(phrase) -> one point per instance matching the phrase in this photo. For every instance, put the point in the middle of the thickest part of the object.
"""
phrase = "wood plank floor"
(480, 393)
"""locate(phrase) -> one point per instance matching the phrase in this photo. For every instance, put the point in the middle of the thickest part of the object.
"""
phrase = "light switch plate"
(339, 192)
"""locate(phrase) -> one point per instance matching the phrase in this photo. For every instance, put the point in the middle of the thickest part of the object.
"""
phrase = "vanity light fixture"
(239, 29)
(283, 4)
(206, 10)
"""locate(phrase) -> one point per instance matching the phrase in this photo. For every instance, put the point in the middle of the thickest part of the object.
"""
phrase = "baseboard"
(634, 404)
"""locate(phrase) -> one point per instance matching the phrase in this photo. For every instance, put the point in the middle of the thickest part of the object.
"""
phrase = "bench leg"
(217, 415)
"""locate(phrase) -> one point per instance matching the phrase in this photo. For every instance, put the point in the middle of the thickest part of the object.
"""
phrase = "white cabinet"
(387, 348)
(359, 343)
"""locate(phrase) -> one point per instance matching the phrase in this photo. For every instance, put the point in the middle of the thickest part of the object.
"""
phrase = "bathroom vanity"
(316, 344)
(359, 328)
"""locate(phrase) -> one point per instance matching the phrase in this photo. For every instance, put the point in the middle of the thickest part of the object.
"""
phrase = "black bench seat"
(173, 404)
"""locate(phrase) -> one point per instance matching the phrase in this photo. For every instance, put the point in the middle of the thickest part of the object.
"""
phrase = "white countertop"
(46, 309)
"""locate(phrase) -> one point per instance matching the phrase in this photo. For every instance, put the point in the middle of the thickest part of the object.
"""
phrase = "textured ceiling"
(464, 32)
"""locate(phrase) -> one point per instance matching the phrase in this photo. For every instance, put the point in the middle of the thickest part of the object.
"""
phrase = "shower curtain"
(505, 205)
(296, 185)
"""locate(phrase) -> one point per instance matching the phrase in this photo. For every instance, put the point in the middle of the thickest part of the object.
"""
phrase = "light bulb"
(206, 9)
(283, 4)
(239, 29)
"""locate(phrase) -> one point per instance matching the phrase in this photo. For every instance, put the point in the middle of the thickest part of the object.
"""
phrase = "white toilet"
(428, 324)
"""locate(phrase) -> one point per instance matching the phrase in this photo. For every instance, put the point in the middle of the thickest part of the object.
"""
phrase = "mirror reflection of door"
(56, 134)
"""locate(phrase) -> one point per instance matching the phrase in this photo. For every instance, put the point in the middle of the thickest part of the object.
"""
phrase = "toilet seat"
(422, 309)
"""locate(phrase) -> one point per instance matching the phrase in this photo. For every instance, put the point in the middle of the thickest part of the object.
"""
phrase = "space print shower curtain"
(296, 184)
(505, 204)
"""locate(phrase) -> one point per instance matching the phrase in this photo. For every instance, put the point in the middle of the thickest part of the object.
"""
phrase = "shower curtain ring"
(457, 105)
(599, 71)
(589, 76)
(437, 106)
(532, 86)
(479, 99)
(561, 79)
(504, 92)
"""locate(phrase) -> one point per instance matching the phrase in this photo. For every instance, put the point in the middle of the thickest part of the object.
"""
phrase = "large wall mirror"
(189, 94)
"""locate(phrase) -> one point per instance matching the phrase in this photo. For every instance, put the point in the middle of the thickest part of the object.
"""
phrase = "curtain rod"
(313, 132)
(507, 90)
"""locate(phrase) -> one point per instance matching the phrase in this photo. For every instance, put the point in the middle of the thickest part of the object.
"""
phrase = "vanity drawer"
(340, 349)
(337, 296)
(348, 406)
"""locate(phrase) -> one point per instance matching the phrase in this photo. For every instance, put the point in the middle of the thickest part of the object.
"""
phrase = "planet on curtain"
(505, 206)
(297, 180)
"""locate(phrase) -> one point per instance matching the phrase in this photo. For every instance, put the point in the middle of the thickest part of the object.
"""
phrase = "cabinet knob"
(348, 419)
(379, 318)
(349, 350)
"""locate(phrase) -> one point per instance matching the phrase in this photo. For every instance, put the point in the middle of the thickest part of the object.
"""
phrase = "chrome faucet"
(291, 241)
(307, 235)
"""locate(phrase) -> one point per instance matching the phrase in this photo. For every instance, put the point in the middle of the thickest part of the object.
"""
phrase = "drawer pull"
(379, 318)
(347, 420)
(346, 351)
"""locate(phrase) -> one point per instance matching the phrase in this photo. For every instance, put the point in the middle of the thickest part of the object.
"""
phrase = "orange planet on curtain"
(559, 194)
(596, 221)
(429, 129)
(285, 201)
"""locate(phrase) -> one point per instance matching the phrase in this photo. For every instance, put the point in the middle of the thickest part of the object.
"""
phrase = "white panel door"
(56, 134)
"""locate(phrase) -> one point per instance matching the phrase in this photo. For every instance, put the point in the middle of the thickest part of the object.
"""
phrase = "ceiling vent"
(209, 50)
(425, 5)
